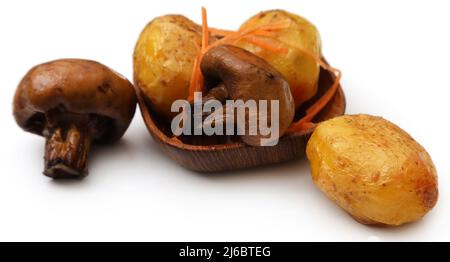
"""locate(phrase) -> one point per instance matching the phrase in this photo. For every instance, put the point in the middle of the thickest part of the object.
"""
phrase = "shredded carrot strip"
(238, 35)
(205, 31)
(304, 126)
(242, 33)
(194, 79)
(197, 80)
(221, 32)
(271, 34)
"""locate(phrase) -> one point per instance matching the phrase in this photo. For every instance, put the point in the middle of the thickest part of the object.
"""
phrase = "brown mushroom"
(248, 77)
(73, 102)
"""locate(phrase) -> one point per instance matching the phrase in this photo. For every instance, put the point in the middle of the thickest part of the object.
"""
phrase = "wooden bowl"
(237, 155)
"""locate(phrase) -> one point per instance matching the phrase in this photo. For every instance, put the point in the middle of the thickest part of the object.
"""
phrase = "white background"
(395, 59)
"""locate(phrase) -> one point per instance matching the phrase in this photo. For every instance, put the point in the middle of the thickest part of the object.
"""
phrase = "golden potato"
(301, 71)
(372, 169)
(163, 60)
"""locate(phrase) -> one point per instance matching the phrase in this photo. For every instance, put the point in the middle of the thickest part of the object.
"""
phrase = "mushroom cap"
(247, 76)
(80, 87)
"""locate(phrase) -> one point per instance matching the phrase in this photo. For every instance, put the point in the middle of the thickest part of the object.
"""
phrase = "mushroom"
(73, 102)
(245, 77)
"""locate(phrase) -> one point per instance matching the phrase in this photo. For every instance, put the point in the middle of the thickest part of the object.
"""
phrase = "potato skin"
(372, 169)
(301, 71)
(163, 60)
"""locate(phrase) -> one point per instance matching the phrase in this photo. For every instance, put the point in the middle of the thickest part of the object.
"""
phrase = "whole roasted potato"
(163, 60)
(372, 169)
(300, 70)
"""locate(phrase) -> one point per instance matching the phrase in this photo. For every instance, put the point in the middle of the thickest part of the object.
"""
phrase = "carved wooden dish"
(237, 155)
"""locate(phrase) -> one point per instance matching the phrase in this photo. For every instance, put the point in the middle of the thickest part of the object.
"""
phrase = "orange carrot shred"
(221, 32)
(194, 79)
(197, 80)
(232, 38)
(205, 31)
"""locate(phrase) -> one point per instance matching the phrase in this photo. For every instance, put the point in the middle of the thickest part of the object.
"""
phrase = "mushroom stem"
(66, 153)
(217, 93)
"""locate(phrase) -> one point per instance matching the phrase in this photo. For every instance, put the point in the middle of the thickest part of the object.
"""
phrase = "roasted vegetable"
(372, 169)
(300, 69)
(73, 103)
(163, 60)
